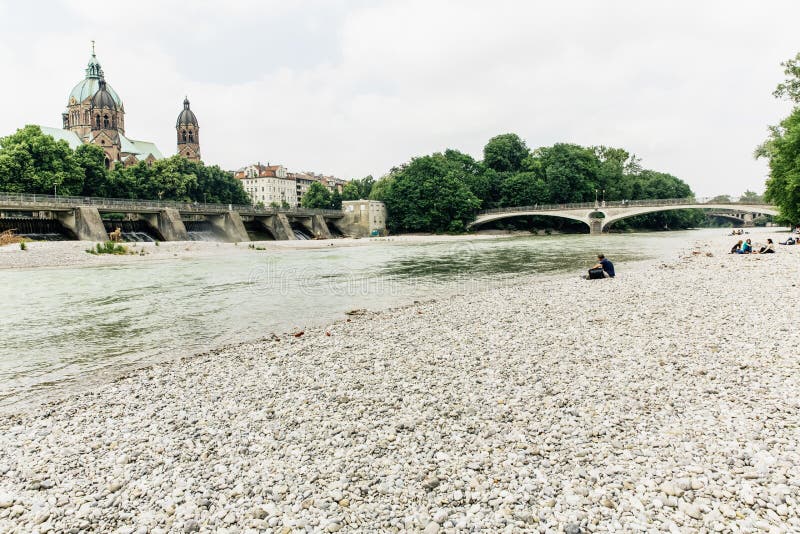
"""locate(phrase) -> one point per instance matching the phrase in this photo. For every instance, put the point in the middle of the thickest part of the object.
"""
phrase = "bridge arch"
(617, 214)
(598, 217)
(481, 220)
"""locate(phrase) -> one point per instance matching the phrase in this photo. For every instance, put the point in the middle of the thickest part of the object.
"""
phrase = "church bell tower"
(188, 133)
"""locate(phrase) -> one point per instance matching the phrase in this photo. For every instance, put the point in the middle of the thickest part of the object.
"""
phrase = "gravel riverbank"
(666, 399)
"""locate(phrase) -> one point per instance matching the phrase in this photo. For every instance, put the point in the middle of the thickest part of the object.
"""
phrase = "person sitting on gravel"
(604, 266)
(769, 248)
(737, 247)
(747, 247)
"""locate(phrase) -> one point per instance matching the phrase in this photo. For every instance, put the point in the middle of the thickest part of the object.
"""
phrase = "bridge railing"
(627, 204)
(50, 201)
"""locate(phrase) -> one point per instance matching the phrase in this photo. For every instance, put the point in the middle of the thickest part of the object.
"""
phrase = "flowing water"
(67, 326)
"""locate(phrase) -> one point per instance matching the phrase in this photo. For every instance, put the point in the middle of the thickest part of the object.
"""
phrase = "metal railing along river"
(628, 204)
(30, 200)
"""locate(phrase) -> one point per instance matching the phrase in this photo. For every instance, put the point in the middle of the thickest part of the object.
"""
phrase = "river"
(66, 328)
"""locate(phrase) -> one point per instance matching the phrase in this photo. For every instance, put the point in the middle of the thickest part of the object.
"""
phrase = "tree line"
(442, 192)
(33, 162)
(782, 150)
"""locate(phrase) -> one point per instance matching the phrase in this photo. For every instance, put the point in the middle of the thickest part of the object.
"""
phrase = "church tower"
(105, 121)
(78, 117)
(188, 133)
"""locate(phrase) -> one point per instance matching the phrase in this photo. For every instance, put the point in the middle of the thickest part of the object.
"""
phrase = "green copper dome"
(89, 86)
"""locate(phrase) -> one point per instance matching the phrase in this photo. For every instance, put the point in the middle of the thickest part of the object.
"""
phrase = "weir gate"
(91, 219)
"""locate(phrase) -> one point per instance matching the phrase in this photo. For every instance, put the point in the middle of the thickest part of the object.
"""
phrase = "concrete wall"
(171, 226)
(85, 223)
(362, 218)
(168, 223)
(230, 225)
(277, 225)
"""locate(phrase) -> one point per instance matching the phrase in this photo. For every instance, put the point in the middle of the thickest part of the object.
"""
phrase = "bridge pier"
(321, 229)
(284, 226)
(84, 222)
(230, 225)
(748, 220)
(277, 225)
(167, 223)
(595, 227)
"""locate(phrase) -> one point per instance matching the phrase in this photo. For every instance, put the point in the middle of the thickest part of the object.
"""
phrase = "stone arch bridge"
(599, 215)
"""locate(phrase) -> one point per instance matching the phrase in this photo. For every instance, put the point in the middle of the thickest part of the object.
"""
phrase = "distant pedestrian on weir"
(602, 269)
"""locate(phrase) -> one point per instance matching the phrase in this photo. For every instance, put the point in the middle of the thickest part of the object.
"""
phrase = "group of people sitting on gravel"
(746, 247)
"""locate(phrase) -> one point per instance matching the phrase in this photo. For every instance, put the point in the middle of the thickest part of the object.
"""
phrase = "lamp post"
(55, 190)
(595, 198)
(604, 198)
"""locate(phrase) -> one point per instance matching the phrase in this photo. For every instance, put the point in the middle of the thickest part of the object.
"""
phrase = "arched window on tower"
(97, 121)
(183, 134)
(88, 118)
(191, 136)
(105, 121)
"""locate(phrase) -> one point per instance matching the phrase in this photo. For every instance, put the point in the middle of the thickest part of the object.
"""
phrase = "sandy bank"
(664, 399)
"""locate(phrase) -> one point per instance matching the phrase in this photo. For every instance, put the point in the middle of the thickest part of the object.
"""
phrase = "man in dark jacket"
(604, 264)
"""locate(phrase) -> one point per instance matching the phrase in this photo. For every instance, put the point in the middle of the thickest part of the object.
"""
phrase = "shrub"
(109, 247)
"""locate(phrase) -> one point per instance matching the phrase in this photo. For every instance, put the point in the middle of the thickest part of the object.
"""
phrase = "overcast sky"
(352, 88)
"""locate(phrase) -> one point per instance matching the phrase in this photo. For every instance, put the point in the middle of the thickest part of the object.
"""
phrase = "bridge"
(87, 218)
(599, 215)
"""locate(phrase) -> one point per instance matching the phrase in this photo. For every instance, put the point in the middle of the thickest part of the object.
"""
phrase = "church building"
(95, 114)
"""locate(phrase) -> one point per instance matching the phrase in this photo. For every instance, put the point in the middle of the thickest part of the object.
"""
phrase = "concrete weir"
(84, 222)
(230, 225)
(81, 216)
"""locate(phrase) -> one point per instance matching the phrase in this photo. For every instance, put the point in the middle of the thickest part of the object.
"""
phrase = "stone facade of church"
(95, 114)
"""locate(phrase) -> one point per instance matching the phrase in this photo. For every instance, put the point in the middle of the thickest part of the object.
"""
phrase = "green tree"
(790, 88)
(483, 182)
(350, 191)
(32, 162)
(752, 197)
(336, 200)
(381, 187)
(91, 159)
(358, 189)
(505, 153)
(215, 185)
(524, 189)
(783, 184)
(429, 196)
(570, 172)
(318, 197)
(782, 149)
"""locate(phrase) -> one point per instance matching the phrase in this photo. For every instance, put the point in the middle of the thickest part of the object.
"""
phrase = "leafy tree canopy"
(318, 197)
(32, 162)
(782, 148)
(505, 153)
(429, 195)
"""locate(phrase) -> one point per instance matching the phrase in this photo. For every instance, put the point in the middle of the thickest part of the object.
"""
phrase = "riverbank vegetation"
(442, 192)
(782, 149)
(33, 162)
(109, 247)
